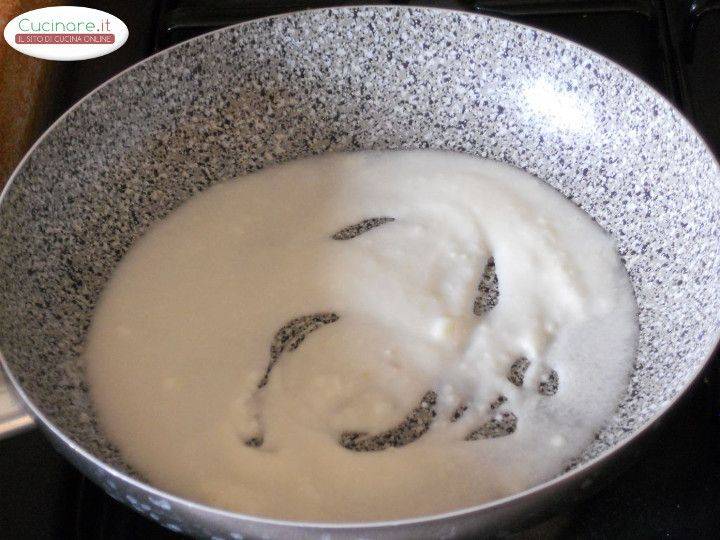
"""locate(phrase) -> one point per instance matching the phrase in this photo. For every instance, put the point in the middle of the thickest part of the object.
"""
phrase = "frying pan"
(233, 101)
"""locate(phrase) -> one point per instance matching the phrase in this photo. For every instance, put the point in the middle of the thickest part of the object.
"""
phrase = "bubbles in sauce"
(363, 336)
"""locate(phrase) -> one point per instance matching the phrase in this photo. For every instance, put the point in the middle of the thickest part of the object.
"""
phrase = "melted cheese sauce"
(181, 338)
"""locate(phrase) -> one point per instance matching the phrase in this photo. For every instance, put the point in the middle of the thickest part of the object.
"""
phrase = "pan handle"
(13, 417)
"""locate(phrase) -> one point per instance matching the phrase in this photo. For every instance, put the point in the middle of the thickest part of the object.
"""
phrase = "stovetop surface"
(673, 488)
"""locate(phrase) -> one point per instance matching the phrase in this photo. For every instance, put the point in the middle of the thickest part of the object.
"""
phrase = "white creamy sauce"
(181, 338)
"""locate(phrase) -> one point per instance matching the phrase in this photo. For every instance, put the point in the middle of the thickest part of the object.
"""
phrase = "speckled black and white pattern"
(367, 78)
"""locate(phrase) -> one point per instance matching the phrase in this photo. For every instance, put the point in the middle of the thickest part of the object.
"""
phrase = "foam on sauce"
(380, 261)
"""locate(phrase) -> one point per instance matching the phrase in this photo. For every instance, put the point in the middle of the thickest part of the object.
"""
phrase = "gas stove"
(673, 489)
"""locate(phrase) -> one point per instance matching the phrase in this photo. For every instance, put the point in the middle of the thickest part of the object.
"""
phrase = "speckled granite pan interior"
(276, 89)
